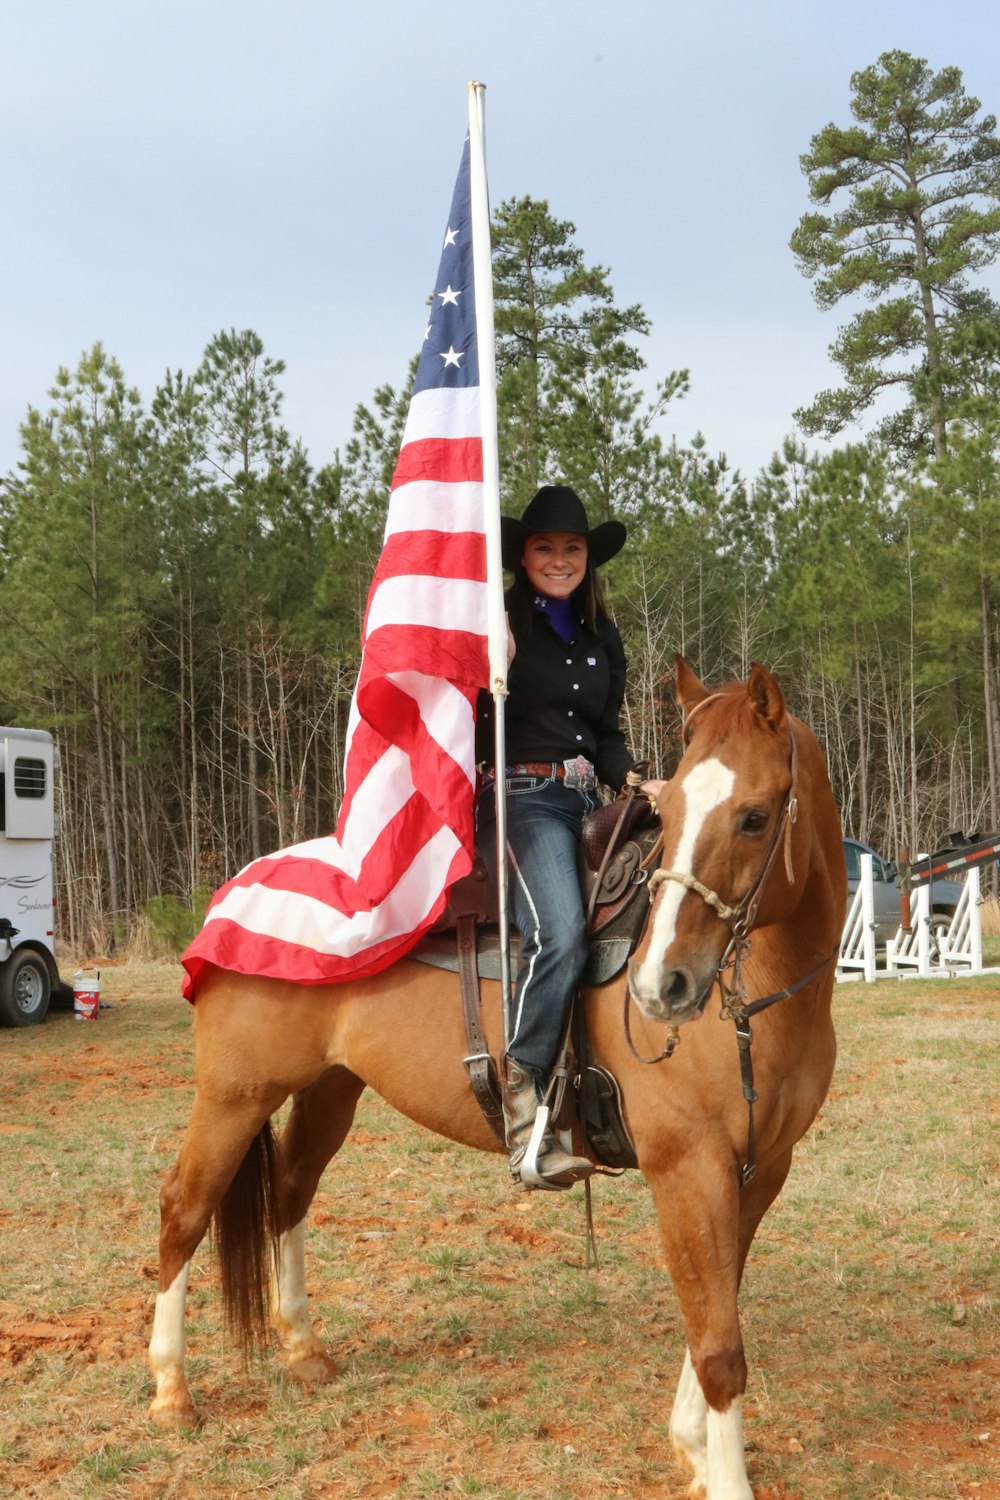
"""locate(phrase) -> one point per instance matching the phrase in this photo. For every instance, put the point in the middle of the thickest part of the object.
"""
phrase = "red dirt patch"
(948, 1419)
(117, 1333)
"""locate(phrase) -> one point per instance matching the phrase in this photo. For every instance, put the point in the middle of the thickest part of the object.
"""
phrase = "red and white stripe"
(347, 905)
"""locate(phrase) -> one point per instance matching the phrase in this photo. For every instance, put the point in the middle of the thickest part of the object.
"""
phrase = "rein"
(740, 921)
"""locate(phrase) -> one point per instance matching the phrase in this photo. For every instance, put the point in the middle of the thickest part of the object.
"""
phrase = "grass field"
(479, 1358)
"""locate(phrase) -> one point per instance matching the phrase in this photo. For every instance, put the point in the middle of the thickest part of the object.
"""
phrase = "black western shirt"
(564, 700)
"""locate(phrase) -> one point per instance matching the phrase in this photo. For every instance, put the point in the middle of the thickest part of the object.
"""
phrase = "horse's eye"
(754, 821)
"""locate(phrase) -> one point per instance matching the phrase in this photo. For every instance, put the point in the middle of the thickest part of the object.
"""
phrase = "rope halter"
(741, 917)
(727, 913)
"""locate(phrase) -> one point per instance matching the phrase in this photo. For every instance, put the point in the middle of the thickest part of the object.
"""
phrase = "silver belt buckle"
(579, 774)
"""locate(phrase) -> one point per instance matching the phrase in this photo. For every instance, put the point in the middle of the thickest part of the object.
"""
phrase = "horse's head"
(728, 817)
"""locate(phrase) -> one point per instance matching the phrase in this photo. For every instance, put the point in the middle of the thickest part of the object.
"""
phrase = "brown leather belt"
(555, 770)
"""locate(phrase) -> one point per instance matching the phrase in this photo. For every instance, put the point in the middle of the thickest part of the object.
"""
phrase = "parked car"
(885, 883)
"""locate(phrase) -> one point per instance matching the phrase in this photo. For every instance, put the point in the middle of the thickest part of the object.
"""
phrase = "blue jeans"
(544, 819)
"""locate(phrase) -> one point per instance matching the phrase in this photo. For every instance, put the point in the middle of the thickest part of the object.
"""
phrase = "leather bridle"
(740, 920)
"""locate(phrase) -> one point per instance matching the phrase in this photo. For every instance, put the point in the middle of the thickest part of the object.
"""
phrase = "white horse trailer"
(28, 972)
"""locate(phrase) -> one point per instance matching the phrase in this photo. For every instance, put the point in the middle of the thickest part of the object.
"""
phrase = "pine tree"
(556, 320)
(920, 172)
(955, 508)
(80, 566)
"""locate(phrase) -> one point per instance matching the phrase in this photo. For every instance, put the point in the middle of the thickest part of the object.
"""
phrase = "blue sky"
(171, 170)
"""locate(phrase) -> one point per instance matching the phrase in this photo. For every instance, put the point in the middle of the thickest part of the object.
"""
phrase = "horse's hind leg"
(218, 1136)
(320, 1118)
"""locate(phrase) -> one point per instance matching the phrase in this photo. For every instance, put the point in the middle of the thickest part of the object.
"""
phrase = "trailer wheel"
(940, 924)
(25, 989)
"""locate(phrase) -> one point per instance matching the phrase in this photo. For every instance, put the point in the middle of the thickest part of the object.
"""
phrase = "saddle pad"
(440, 950)
(606, 957)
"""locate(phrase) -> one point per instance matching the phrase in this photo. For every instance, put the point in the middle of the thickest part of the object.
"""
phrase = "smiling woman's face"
(555, 562)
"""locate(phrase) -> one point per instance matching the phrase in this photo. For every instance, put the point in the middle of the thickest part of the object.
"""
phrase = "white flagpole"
(482, 263)
(483, 269)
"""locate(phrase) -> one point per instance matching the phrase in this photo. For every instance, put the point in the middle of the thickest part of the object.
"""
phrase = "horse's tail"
(246, 1238)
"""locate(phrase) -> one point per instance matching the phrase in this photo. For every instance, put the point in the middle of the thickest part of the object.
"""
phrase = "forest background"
(182, 590)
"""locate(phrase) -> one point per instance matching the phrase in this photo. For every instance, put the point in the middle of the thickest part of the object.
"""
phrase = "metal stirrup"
(529, 1162)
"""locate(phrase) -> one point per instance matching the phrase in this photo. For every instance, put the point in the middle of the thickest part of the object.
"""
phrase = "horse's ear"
(690, 691)
(765, 695)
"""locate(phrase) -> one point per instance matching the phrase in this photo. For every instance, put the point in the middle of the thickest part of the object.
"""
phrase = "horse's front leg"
(696, 1202)
(689, 1424)
(319, 1121)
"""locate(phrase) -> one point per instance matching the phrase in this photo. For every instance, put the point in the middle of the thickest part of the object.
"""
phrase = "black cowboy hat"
(558, 508)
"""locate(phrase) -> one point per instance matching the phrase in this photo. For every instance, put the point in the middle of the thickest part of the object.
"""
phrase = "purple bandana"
(560, 615)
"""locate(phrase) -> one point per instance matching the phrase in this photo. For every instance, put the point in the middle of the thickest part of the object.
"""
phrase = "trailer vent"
(29, 777)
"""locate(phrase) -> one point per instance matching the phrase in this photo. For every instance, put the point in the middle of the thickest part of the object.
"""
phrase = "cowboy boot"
(554, 1168)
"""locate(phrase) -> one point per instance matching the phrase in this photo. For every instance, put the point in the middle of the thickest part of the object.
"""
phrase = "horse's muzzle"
(681, 992)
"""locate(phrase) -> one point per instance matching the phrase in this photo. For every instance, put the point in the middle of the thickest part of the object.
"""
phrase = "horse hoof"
(173, 1414)
(313, 1368)
(695, 1462)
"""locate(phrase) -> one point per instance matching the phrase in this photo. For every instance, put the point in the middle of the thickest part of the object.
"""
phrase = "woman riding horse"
(566, 685)
(752, 876)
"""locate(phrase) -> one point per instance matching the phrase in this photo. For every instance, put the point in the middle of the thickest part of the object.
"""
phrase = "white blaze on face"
(705, 788)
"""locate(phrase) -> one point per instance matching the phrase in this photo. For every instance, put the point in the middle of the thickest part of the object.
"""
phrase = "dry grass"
(479, 1358)
(990, 914)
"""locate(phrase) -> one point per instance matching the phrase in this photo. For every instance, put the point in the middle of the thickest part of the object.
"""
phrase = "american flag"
(347, 905)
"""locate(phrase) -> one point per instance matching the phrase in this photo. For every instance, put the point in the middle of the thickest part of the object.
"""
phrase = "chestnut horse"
(751, 839)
